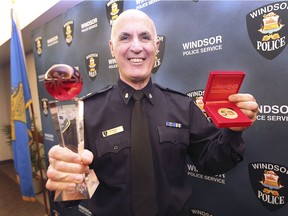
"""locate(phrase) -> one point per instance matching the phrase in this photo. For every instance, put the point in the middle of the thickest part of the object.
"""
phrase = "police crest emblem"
(92, 62)
(267, 29)
(113, 9)
(269, 183)
(68, 29)
(160, 54)
(38, 45)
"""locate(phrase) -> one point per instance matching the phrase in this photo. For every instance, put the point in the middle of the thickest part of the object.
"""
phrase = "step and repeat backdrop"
(196, 38)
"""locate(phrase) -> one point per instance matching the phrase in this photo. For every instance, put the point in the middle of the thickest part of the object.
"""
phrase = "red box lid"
(222, 84)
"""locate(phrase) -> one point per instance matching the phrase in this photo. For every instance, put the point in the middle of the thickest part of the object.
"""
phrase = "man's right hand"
(66, 168)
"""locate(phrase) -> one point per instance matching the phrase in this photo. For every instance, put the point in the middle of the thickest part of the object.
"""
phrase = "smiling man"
(134, 45)
(177, 130)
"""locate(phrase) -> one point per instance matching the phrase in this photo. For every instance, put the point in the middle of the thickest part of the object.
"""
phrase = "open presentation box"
(223, 113)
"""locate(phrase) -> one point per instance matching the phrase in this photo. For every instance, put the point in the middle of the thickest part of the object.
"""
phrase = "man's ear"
(111, 48)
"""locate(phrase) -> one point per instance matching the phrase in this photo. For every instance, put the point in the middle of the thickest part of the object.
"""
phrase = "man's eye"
(124, 38)
(146, 37)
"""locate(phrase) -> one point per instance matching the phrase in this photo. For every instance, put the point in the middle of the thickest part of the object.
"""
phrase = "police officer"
(177, 129)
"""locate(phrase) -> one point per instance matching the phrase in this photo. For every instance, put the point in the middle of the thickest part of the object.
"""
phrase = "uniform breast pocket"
(112, 159)
(174, 143)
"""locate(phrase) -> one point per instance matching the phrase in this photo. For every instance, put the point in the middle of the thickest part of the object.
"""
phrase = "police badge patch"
(160, 54)
(270, 184)
(267, 29)
(44, 104)
(92, 62)
(113, 9)
(68, 29)
(38, 45)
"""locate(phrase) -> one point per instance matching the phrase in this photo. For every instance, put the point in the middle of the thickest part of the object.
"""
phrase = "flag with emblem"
(20, 115)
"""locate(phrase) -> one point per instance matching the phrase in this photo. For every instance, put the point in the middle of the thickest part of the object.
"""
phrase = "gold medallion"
(228, 113)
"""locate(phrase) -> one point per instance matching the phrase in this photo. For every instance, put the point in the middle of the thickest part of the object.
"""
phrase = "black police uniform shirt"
(177, 129)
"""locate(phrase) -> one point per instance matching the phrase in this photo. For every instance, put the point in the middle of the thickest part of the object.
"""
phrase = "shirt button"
(115, 147)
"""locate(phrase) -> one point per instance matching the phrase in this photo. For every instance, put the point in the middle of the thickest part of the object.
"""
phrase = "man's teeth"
(136, 60)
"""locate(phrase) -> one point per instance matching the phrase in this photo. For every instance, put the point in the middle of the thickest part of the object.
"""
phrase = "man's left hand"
(247, 104)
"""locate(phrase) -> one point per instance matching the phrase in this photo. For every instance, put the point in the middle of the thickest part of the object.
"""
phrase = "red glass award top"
(63, 82)
(220, 85)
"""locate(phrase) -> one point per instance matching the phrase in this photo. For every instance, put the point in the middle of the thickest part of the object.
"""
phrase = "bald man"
(177, 130)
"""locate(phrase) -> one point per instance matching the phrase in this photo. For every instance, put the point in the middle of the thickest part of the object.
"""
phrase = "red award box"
(223, 113)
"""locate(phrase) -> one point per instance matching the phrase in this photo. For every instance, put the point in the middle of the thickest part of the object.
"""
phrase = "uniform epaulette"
(97, 92)
(168, 89)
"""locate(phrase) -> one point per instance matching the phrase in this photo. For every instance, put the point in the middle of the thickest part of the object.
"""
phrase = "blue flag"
(20, 116)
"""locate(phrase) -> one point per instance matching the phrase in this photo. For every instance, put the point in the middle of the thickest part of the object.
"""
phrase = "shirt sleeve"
(213, 151)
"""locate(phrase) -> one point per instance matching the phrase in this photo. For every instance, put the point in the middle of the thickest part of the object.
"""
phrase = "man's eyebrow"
(145, 33)
(124, 34)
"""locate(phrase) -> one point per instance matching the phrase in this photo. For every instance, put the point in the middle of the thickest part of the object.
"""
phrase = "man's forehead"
(143, 20)
(134, 26)
(133, 13)
(132, 21)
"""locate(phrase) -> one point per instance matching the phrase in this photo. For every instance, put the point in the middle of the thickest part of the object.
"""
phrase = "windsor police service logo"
(68, 29)
(39, 45)
(270, 184)
(113, 9)
(160, 54)
(92, 62)
(267, 29)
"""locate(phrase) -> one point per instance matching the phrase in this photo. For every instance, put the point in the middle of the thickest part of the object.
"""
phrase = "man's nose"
(136, 45)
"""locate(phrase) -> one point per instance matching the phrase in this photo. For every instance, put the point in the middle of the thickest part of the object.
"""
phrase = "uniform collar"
(127, 91)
